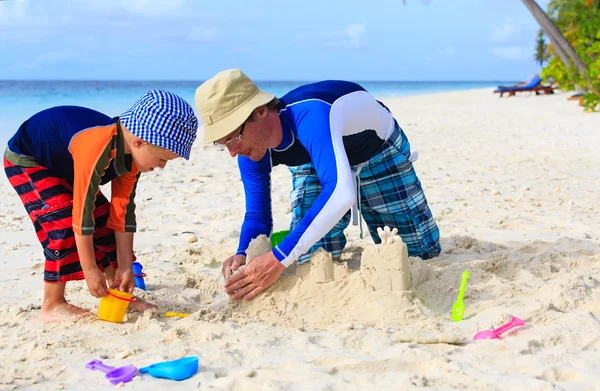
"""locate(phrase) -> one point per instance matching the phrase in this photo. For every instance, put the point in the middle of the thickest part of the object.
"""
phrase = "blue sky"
(309, 40)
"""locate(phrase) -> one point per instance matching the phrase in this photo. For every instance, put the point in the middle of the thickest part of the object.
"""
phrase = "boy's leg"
(391, 194)
(56, 308)
(305, 190)
(47, 200)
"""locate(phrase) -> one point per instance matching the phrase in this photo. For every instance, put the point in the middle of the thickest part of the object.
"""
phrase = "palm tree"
(565, 51)
(541, 49)
(563, 48)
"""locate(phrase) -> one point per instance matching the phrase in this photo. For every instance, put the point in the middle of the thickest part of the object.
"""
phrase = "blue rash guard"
(333, 124)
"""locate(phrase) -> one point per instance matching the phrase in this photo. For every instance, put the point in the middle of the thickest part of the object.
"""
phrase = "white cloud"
(240, 50)
(352, 37)
(38, 22)
(356, 31)
(447, 51)
(507, 31)
(151, 8)
(12, 12)
(511, 52)
(51, 58)
(27, 22)
(201, 34)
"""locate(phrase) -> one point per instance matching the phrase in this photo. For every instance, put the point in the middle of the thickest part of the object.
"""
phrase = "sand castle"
(386, 267)
(258, 246)
(321, 291)
(321, 267)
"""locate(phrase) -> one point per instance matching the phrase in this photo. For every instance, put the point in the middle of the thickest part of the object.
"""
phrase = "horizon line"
(255, 80)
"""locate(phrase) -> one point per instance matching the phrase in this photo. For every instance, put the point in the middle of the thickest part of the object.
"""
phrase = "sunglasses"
(233, 141)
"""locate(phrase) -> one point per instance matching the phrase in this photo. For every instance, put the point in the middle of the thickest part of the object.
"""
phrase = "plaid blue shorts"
(390, 193)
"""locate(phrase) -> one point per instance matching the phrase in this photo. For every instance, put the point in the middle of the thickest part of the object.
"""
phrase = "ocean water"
(21, 99)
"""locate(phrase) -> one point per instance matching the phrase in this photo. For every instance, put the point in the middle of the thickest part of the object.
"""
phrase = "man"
(344, 147)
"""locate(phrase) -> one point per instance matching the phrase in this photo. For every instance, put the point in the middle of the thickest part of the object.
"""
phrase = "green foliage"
(558, 72)
(591, 101)
(579, 20)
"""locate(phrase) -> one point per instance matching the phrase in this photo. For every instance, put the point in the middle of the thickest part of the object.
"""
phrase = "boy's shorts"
(48, 200)
(390, 194)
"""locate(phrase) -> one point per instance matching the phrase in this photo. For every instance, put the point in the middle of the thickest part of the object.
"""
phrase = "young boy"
(57, 161)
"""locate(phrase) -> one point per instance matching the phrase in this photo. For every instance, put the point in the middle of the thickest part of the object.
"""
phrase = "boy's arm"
(94, 278)
(124, 280)
(122, 221)
(91, 156)
(85, 250)
(122, 203)
(124, 249)
(256, 177)
(91, 151)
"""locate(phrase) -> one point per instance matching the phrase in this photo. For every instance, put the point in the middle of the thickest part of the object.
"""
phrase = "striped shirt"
(86, 149)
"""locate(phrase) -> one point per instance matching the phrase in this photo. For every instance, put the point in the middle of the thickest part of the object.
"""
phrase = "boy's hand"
(96, 282)
(124, 280)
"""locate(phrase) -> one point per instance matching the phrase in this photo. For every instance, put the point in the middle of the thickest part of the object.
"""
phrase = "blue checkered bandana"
(163, 119)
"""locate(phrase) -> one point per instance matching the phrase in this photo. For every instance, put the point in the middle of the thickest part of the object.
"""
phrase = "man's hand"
(124, 280)
(96, 282)
(258, 275)
(231, 264)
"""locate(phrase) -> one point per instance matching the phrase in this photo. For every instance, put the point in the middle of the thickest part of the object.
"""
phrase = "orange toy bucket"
(114, 305)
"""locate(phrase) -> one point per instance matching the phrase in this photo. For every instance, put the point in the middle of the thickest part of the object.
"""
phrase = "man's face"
(250, 139)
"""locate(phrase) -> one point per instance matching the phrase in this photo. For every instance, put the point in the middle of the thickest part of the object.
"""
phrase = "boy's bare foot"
(140, 305)
(62, 311)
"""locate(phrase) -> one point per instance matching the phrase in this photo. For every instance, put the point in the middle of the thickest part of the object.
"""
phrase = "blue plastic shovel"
(180, 369)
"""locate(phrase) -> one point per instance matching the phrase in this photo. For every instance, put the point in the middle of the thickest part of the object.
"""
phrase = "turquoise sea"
(21, 99)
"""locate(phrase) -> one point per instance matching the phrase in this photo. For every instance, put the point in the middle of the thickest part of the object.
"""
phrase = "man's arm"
(256, 177)
(324, 143)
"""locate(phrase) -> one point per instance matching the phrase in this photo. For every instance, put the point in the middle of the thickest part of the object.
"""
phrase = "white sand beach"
(514, 186)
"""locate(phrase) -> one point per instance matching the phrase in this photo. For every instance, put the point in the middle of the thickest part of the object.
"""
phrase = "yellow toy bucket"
(114, 305)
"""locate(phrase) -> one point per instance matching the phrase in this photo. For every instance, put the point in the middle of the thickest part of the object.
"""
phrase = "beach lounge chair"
(578, 97)
(533, 85)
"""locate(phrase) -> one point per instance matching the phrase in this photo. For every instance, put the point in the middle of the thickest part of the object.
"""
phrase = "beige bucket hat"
(225, 101)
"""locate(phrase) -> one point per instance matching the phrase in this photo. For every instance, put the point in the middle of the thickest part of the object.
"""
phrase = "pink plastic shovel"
(495, 334)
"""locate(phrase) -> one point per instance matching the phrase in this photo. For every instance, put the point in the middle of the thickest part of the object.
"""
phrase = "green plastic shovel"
(458, 309)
